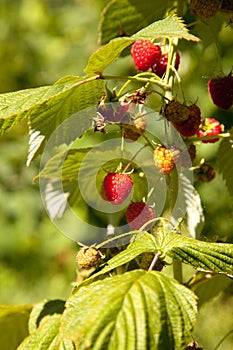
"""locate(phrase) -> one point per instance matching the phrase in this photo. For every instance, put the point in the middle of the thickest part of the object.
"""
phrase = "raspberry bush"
(125, 148)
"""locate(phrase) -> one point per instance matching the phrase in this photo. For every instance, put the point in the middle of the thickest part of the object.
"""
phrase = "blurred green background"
(41, 41)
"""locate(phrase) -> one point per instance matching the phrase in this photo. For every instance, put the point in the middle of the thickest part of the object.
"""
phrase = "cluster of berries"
(116, 188)
(147, 55)
(187, 120)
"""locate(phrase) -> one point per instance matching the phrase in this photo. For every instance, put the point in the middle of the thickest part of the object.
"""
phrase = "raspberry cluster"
(147, 55)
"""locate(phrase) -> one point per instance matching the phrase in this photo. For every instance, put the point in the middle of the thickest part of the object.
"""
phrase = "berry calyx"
(209, 127)
(204, 9)
(221, 91)
(190, 126)
(166, 158)
(145, 54)
(117, 187)
(159, 68)
(138, 214)
(176, 111)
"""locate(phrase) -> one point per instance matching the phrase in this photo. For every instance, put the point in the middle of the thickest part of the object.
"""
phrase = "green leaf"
(47, 110)
(46, 117)
(225, 161)
(143, 242)
(13, 325)
(136, 310)
(45, 337)
(171, 27)
(15, 105)
(216, 257)
(107, 54)
(119, 17)
(125, 17)
(47, 307)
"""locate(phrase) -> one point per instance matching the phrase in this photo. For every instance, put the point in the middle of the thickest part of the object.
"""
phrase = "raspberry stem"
(154, 261)
(153, 80)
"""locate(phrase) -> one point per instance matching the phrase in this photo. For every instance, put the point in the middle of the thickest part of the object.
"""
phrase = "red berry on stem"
(117, 187)
(145, 54)
(209, 127)
(221, 91)
(138, 214)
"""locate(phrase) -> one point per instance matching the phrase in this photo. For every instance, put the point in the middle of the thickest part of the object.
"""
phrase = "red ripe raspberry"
(166, 158)
(209, 127)
(145, 54)
(190, 126)
(117, 187)
(221, 91)
(138, 214)
(204, 9)
(176, 111)
(160, 67)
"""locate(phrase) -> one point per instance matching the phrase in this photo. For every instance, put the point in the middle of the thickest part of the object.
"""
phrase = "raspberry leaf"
(170, 27)
(225, 161)
(114, 313)
(47, 107)
(125, 17)
(42, 309)
(45, 336)
(143, 242)
(214, 257)
(107, 54)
